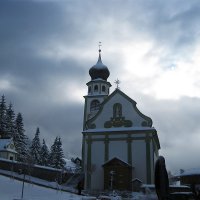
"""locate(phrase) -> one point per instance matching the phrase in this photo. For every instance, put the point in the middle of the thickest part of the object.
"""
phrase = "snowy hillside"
(11, 189)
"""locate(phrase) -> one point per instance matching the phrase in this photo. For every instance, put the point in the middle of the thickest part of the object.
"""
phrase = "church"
(119, 143)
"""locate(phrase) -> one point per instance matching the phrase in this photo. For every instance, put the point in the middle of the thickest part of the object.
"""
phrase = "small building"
(190, 177)
(136, 185)
(78, 161)
(117, 174)
(7, 149)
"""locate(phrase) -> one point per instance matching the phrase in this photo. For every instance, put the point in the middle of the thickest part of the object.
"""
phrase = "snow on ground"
(37, 181)
(11, 189)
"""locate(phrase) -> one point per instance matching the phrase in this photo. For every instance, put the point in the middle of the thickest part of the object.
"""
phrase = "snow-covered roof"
(99, 65)
(117, 159)
(136, 179)
(4, 143)
(179, 186)
(119, 129)
(190, 172)
(48, 168)
(8, 150)
(148, 186)
(11, 161)
(71, 165)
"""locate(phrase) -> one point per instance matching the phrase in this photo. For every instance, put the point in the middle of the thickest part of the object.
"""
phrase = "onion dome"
(99, 70)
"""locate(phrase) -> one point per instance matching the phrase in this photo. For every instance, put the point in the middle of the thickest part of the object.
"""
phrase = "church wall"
(138, 135)
(139, 159)
(128, 112)
(117, 135)
(97, 158)
(118, 149)
(98, 136)
(89, 114)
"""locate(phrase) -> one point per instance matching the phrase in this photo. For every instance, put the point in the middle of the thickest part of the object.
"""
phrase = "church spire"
(99, 70)
(99, 59)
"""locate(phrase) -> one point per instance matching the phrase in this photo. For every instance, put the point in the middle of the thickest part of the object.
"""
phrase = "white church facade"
(119, 142)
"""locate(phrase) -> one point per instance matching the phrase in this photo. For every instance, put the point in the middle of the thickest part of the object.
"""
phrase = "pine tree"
(35, 148)
(44, 154)
(20, 139)
(60, 155)
(52, 155)
(10, 121)
(3, 115)
(57, 155)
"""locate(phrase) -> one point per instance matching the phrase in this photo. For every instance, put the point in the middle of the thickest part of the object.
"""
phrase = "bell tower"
(98, 89)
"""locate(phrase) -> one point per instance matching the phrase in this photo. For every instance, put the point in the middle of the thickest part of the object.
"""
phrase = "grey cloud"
(178, 127)
(28, 27)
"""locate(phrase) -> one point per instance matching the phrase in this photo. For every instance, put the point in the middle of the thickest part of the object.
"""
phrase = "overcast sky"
(151, 46)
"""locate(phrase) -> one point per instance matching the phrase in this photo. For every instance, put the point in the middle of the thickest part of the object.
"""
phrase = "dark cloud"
(46, 49)
(177, 124)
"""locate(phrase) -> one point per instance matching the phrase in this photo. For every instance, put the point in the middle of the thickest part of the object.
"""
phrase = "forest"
(34, 151)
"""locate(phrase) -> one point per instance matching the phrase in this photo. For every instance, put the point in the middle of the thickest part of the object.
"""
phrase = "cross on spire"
(100, 47)
(117, 82)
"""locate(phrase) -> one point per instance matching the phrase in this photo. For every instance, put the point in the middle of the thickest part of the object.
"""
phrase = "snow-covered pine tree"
(44, 154)
(10, 121)
(3, 116)
(20, 139)
(56, 157)
(52, 155)
(35, 148)
(60, 155)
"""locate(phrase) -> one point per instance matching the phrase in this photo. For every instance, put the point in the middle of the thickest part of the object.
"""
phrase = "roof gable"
(116, 162)
(130, 115)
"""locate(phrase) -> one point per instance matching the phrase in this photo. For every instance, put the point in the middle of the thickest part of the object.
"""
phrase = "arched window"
(96, 88)
(103, 88)
(117, 110)
(89, 89)
(95, 104)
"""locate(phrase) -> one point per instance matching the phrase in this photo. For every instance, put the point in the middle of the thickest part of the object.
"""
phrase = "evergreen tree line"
(11, 126)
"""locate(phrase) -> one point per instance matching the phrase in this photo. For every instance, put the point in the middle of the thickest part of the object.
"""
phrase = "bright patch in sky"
(5, 84)
(146, 72)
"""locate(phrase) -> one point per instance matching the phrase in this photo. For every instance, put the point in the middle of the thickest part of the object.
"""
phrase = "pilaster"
(129, 149)
(148, 159)
(89, 164)
(106, 142)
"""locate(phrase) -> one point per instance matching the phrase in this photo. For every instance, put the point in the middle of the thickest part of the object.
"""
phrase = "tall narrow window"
(103, 88)
(89, 89)
(96, 88)
(117, 110)
(95, 104)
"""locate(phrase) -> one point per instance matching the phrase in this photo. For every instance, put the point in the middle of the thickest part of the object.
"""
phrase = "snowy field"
(11, 189)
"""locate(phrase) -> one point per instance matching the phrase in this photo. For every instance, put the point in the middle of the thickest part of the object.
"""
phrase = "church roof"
(99, 70)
